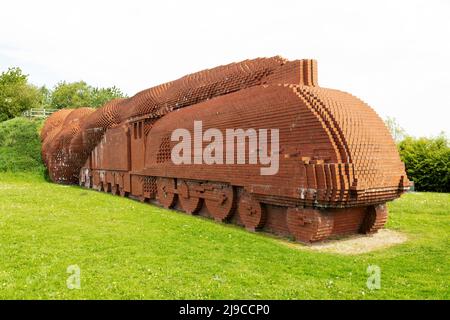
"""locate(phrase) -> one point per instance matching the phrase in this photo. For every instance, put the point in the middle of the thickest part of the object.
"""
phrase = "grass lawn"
(126, 249)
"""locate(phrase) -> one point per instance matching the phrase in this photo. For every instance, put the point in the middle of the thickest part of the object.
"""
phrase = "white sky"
(395, 55)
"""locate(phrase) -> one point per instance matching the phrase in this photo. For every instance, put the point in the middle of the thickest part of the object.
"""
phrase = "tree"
(397, 132)
(80, 94)
(71, 95)
(46, 98)
(102, 95)
(16, 94)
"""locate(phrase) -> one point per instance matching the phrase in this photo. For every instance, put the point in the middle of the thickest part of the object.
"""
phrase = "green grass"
(128, 250)
(20, 145)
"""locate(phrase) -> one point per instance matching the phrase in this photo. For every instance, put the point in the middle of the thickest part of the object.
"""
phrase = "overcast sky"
(395, 55)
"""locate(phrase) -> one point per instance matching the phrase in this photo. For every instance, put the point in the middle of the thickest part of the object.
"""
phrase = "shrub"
(20, 146)
(427, 162)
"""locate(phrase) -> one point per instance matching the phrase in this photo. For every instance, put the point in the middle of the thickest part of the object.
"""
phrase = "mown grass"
(127, 250)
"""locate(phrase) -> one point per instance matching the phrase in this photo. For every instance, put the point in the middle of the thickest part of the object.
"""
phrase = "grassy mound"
(127, 249)
(20, 146)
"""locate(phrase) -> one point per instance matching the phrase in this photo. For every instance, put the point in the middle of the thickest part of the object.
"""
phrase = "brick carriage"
(338, 164)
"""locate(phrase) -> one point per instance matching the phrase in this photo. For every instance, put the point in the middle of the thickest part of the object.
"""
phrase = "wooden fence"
(38, 113)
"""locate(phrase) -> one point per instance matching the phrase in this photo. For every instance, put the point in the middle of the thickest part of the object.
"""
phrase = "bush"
(427, 162)
(20, 146)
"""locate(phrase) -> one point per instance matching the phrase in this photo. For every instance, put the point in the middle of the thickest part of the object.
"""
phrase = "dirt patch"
(358, 244)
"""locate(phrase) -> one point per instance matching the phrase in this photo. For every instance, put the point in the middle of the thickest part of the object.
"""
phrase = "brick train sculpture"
(337, 163)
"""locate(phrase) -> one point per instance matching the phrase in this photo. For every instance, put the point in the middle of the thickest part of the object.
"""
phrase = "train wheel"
(114, 189)
(122, 192)
(106, 187)
(251, 212)
(221, 205)
(166, 195)
(189, 203)
(308, 225)
(374, 219)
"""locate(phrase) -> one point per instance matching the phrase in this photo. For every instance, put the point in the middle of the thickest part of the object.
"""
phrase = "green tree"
(80, 94)
(71, 95)
(102, 95)
(397, 132)
(46, 97)
(16, 94)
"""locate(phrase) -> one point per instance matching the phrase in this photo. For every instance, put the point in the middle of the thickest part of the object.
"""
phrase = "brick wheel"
(84, 178)
(165, 189)
(251, 212)
(106, 187)
(99, 187)
(222, 204)
(189, 203)
(122, 192)
(374, 219)
(114, 189)
(309, 225)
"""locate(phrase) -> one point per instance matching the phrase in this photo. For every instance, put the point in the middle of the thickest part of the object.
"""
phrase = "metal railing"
(38, 113)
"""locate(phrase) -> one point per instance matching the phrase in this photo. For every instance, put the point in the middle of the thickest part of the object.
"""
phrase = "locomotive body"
(326, 167)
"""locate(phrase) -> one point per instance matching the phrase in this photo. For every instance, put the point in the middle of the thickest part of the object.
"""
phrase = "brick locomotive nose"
(366, 167)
